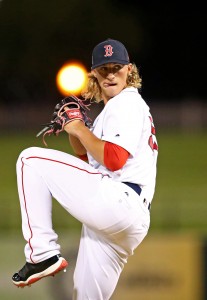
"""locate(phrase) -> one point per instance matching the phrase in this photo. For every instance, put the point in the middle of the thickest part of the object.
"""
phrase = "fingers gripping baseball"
(67, 110)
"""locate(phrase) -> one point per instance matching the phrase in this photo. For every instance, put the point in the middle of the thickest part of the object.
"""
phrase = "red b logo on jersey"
(108, 50)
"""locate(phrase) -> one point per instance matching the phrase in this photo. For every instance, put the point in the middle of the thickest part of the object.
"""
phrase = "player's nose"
(110, 76)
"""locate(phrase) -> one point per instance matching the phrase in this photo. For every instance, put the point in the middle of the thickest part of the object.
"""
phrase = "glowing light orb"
(71, 78)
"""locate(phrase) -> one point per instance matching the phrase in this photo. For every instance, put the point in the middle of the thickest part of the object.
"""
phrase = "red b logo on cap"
(108, 50)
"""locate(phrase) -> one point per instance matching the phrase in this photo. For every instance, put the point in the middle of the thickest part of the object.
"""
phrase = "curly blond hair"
(92, 90)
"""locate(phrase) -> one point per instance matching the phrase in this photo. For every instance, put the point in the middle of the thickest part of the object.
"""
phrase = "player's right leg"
(30, 273)
(95, 200)
(41, 175)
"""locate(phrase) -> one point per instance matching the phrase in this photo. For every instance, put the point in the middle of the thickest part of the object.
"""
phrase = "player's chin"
(112, 91)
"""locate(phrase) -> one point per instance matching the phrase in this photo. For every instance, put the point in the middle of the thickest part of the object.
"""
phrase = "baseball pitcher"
(108, 186)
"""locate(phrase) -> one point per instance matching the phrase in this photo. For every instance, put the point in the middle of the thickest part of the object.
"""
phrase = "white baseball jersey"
(127, 122)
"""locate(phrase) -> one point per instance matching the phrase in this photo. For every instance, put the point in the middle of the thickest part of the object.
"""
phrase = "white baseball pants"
(114, 218)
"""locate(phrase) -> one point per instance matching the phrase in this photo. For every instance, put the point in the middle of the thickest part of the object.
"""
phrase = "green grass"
(12, 254)
(180, 198)
(11, 146)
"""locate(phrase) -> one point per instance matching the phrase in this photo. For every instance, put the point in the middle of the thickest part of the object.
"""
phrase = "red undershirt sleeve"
(83, 157)
(115, 156)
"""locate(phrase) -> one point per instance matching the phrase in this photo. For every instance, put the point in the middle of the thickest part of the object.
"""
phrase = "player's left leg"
(103, 252)
(101, 259)
(97, 269)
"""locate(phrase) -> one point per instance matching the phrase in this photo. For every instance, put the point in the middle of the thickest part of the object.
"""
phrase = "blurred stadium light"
(71, 78)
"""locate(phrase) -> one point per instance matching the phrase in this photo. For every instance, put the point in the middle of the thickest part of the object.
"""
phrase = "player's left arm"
(106, 153)
(75, 143)
(87, 139)
(115, 156)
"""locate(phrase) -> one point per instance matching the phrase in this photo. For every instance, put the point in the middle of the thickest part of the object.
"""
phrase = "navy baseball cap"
(109, 51)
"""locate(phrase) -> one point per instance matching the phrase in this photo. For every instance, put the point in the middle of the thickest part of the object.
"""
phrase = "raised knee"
(26, 153)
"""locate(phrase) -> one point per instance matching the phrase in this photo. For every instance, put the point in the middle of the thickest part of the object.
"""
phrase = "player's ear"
(93, 72)
(129, 68)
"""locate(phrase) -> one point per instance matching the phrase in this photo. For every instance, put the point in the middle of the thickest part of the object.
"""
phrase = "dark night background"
(166, 41)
